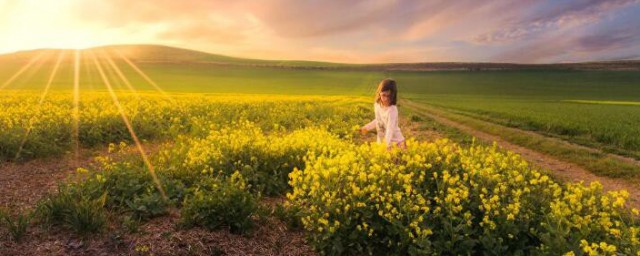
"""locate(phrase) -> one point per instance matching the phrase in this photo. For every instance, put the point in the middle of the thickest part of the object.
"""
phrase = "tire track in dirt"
(559, 169)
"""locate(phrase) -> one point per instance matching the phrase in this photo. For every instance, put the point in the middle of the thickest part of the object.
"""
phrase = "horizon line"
(321, 61)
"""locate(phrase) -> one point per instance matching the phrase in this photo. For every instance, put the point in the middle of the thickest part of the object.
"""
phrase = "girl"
(386, 121)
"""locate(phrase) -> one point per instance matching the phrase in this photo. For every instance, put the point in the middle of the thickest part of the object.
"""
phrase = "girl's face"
(385, 97)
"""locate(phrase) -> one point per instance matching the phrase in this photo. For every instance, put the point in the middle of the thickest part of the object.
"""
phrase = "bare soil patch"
(23, 184)
(164, 236)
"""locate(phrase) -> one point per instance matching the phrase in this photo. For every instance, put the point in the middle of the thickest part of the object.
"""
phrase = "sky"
(354, 31)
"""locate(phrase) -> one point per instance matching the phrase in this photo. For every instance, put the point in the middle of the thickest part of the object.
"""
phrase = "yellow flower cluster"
(441, 198)
(597, 249)
(46, 127)
(430, 198)
(264, 159)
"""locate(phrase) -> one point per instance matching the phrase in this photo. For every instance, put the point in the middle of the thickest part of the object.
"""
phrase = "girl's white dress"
(386, 124)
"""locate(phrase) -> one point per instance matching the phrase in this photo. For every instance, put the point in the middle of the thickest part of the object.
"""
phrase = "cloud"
(318, 19)
(634, 56)
(114, 13)
(571, 14)
(618, 38)
(350, 31)
(219, 29)
(580, 47)
(285, 18)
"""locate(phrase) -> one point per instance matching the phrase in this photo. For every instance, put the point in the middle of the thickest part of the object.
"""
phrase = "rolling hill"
(166, 54)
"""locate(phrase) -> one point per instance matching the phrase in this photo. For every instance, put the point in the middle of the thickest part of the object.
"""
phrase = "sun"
(77, 44)
(31, 24)
(70, 39)
(56, 39)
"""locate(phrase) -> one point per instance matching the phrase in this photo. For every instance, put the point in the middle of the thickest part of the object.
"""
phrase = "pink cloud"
(350, 31)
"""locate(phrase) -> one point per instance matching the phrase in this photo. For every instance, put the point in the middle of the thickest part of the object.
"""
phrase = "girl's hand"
(363, 131)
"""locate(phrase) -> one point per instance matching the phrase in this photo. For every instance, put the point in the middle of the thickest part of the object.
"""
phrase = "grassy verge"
(596, 162)
(583, 140)
(425, 123)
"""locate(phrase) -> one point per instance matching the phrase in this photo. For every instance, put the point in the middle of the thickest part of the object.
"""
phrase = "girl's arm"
(371, 125)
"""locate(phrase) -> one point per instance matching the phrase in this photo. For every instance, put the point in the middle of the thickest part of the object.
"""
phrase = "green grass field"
(612, 128)
(550, 102)
(543, 101)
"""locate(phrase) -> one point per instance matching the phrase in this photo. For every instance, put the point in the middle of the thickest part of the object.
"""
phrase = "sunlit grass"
(119, 73)
(142, 74)
(24, 68)
(605, 102)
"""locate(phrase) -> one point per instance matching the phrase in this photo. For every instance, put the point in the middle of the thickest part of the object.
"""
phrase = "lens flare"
(76, 105)
(39, 107)
(115, 68)
(51, 77)
(22, 70)
(129, 127)
(143, 75)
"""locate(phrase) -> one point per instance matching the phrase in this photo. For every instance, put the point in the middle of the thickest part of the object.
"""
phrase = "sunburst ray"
(40, 102)
(146, 78)
(116, 102)
(117, 70)
(22, 70)
(76, 105)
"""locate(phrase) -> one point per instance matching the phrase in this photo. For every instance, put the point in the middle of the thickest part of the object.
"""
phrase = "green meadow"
(593, 108)
(566, 104)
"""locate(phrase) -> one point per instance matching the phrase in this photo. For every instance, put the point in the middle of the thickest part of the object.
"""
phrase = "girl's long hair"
(387, 85)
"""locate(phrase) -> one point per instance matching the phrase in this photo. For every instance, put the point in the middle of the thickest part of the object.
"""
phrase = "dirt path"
(23, 184)
(626, 159)
(559, 169)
